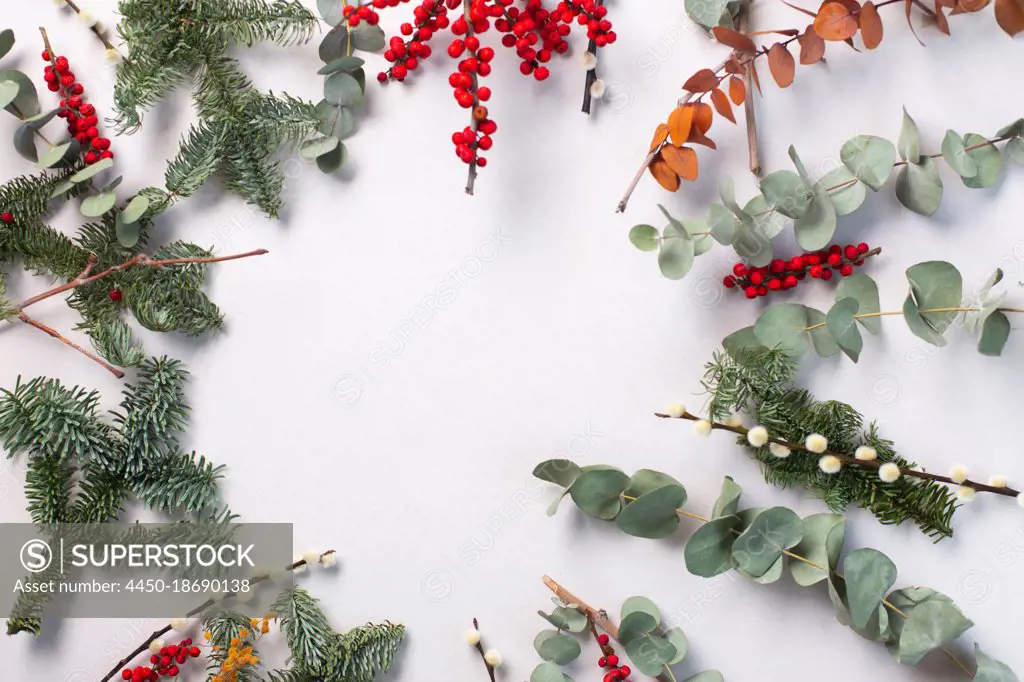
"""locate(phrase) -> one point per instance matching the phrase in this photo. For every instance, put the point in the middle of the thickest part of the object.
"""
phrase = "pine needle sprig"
(367, 651)
(311, 639)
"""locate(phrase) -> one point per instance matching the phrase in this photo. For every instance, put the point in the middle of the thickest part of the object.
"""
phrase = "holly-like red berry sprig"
(81, 117)
(781, 275)
(535, 33)
(167, 663)
(7, 217)
(610, 662)
(116, 295)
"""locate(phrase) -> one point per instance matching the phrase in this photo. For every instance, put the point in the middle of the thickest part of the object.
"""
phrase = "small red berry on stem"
(116, 295)
(7, 217)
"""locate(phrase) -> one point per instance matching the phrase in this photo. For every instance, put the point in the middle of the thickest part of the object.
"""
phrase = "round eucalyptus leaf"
(869, 574)
(6, 41)
(928, 627)
(936, 285)
(57, 154)
(783, 326)
(843, 189)
(635, 624)
(25, 143)
(821, 544)
(98, 204)
(62, 188)
(699, 232)
(918, 325)
(368, 38)
(741, 342)
(909, 142)
(335, 121)
(348, 63)
(704, 13)
(642, 604)
(786, 192)
(767, 221)
(319, 146)
(89, 171)
(8, 92)
(709, 551)
(751, 245)
(822, 341)
(135, 209)
(815, 228)
(761, 544)
(1015, 149)
(333, 160)
(722, 224)
(991, 670)
(770, 576)
(647, 480)
(127, 232)
(558, 471)
(994, 333)
(26, 103)
(862, 289)
(653, 515)
(553, 507)
(706, 676)
(870, 159)
(919, 187)
(675, 257)
(728, 499)
(987, 158)
(332, 11)
(113, 184)
(557, 648)
(906, 600)
(727, 193)
(597, 492)
(677, 638)
(547, 672)
(650, 653)
(644, 237)
(332, 47)
(955, 155)
(843, 327)
(341, 89)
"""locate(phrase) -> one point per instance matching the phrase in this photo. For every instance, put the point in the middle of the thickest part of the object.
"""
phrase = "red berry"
(789, 282)
(796, 262)
(488, 127)
(62, 64)
(481, 161)
(173, 671)
(541, 73)
(862, 248)
(52, 87)
(483, 94)
(813, 258)
(91, 158)
(826, 275)
(194, 651)
(77, 89)
(46, 58)
(777, 265)
(816, 271)
(739, 269)
(485, 142)
(602, 662)
(835, 259)
(729, 281)
(486, 54)
(626, 670)
(91, 132)
(756, 277)
(381, 77)
(116, 295)
(613, 660)
(775, 284)
(762, 290)
(846, 270)
(850, 251)
(751, 292)
(7, 217)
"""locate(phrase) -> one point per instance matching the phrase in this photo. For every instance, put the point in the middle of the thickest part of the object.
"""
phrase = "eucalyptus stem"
(861, 316)
(197, 610)
(853, 461)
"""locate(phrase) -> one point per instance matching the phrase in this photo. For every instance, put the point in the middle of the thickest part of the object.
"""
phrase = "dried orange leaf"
(812, 47)
(781, 64)
(799, 9)
(780, 31)
(870, 25)
(722, 104)
(733, 66)
(702, 117)
(737, 91)
(734, 39)
(679, 123)
(704, 80)
(754, 78)
(665, 176)
(682, 161)
(909, 6)
(970, 6)
(835, 22)
(940, 19)
(660, 135)
(1010, 15)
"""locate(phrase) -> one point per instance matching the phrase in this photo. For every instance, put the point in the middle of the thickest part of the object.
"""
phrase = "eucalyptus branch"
(141, 260)
(847, 459)
(63, 339)
(194, 612)
(866, 316)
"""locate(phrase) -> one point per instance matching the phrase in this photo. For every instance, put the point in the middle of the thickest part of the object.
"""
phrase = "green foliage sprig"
(815, 205)
(344, 82)
(912, 622)
(84, 469)
(653, 648)
(934, 302)
(240, 129)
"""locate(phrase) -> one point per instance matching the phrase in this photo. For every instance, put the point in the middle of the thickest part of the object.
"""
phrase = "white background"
(561, 337)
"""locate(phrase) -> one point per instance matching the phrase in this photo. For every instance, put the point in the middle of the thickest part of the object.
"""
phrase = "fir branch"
(248, 22)
(176, 482)
(48, 489)
(310, 637)
(154, 411)
(367, 651)
(101, 495)
(197, 159)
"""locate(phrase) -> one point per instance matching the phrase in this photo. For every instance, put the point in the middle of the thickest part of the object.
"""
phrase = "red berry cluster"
(81, 117)
(356, 15)
(535, 33)
(610, 662)
(781, 275)
(166, 663)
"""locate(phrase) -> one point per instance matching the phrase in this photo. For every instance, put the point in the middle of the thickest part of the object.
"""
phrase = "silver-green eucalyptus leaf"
(644, 481)
(127, 233)
(348, 63)
(767, 221)
(8, 92)
(868, 574)
(57, 154)
(548, 672)
(26, 103)
(700, 233)
(928, 627)
(677, 638)
(635, 624)
(335, 121)
(843, 327)
(784, 326)
(870, 159)
(728, 499)
(642, 604)
(821, 338)
(759, 546)
(654, 514)
(561, 472)
(742, 341)
(722, 224)
(6, 41)
(843, 189)
(332, 11)
(368, 38)
(333, 46)
(557, 648)
(937, 288)
(991, 670)
(317, 147)
(676, 252)
(333, 160)
(709, 550)
(821, 545)
(786, 192)
(865, 291)
(909, 143)
(706, 13)
(1015, 150)
(994, 333)
(135, 209)
(644, 237)
(919, 187)
(98, 204)
(89, 172)
(955, 155)
(987, 158)
(342, 89)
(918, 325)
(706, 676)
(598, 492)
(650, 653)
(62, 188)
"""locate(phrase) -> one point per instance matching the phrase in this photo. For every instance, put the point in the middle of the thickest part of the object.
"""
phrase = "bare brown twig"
(748, 103)
(96, 31)
(483, 655)
(68, 342)
(591, 73)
